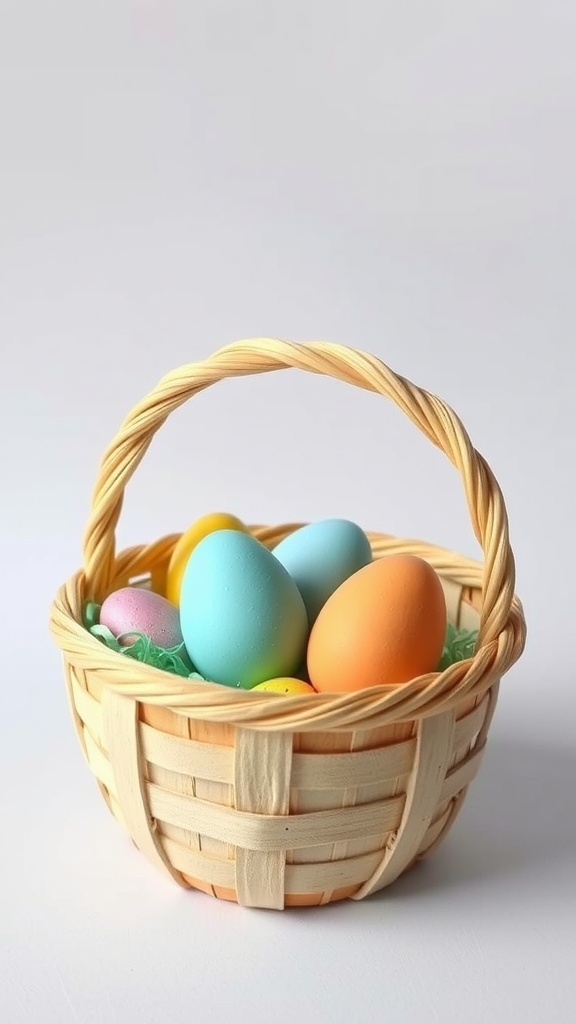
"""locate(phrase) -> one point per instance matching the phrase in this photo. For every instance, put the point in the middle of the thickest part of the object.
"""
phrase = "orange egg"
(384, 624)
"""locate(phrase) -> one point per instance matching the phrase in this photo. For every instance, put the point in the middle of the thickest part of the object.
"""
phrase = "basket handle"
(434, 418)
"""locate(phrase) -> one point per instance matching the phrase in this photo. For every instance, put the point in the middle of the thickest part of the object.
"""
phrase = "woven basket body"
(278, 801)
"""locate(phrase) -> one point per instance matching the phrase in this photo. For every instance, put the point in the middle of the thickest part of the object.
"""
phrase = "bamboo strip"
(435, 736)
(318, 771)
(262, 767)
(461, 776)
(434, 832)
(268, 832)
(311, 878)
(121, 728)
(100, 764)
(188, 757)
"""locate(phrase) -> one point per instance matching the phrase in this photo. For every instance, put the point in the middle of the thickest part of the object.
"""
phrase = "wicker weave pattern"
(282, 822)
(269, 800)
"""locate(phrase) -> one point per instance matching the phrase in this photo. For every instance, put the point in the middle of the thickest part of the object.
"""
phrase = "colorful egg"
(134, 610)
(188, 541)
(285, 685)
(385, 624)
(320, 556)
(242, 617)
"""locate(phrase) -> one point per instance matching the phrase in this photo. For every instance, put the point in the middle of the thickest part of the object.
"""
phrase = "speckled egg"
(320, 556)
(142, 611)
(242, 616)
(385, 624)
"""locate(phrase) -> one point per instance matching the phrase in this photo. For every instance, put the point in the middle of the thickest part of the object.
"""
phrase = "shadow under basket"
(277, 801)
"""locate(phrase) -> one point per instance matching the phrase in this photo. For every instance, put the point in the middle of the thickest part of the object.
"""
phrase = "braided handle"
(435, 419)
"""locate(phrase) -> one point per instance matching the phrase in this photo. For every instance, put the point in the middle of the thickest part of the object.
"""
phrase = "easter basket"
(270, 800)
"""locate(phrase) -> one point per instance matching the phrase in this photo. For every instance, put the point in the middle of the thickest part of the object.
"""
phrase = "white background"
(399, 177)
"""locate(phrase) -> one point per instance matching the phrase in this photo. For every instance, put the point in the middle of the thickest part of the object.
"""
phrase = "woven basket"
(279, 801)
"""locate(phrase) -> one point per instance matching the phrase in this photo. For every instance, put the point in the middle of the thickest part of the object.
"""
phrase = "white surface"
(394, 176)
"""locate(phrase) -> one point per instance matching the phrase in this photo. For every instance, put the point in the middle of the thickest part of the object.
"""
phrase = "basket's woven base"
(277, 819)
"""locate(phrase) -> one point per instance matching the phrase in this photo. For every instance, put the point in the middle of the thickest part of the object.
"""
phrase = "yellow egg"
(285, 685)
(188, 541)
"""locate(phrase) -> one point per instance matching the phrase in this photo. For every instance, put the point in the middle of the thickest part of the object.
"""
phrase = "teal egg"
(242, 617)
(320, 556)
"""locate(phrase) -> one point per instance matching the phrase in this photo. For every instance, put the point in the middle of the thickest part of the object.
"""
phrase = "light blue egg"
(320, 556)
(242, 616)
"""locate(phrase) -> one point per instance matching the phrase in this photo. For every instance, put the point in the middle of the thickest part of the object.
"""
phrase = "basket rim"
(421, 697)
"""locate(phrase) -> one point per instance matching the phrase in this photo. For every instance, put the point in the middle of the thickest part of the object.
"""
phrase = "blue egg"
(320, 556)
(242, 617)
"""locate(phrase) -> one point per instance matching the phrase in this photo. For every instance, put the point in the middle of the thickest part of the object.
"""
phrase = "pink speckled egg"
(143, 611)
